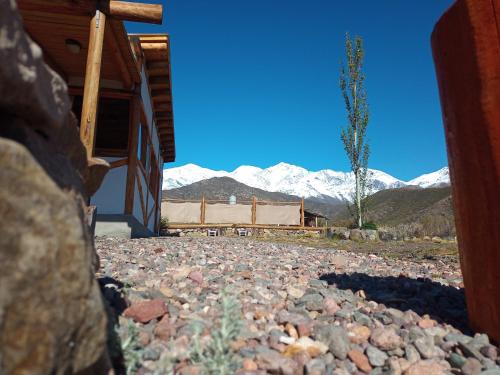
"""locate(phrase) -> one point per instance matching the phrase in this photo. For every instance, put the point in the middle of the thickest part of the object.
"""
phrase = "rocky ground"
(235, 305)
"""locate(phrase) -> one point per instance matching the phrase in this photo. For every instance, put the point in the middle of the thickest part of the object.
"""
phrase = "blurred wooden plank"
(466, 48)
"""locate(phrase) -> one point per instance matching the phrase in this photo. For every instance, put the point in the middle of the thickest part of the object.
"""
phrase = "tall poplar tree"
(353, 135)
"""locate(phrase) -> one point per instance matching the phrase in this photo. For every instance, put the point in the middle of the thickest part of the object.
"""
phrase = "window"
(112, 131)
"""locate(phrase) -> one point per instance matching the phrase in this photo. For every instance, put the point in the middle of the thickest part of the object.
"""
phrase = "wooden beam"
(138, 12)
(160, 79)
(112, 46)
(157, 72)
(157, 97)
(121, 10)
(92, 78)
(249, 226)
(466, 50)
(160, 64)
(118, 163)
(163, 86)
(135, 108)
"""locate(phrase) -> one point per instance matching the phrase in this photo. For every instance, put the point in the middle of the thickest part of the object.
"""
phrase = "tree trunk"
(358, 199)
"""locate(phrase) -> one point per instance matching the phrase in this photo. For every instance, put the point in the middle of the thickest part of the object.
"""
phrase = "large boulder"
(52, 319)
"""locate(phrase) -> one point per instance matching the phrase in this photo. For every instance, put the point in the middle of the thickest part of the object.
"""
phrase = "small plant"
(131, 350)
(369, 225)
(217, 357)
(163, 223)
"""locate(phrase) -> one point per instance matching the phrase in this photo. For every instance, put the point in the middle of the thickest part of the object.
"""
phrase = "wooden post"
(466, 49)
(302, 213)
(133, 142)
(92, 79)
(254, 210)
(202, 210)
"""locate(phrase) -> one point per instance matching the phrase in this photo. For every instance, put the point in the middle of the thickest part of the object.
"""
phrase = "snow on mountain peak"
(294, 180)
(441, 176)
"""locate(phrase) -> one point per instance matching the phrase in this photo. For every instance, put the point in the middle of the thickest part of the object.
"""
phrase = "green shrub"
(369, 225)
(163, 223)
(218, 357)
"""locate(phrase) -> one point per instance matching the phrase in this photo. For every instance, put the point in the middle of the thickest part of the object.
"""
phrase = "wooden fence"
(185, 213)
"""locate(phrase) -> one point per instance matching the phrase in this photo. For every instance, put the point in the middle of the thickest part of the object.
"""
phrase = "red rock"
(196, 276)
(330, 306)
(385, 338)
(249, 365)
(158, 250)
(360, 360)
(427, 323)
(426, 367)
(359, 334)
(164, 329)
(304, 329)
(146, 311)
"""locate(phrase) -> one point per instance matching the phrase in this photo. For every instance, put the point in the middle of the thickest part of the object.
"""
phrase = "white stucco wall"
(146, 98)
(137, 211)
(110, 198)
(156, 141)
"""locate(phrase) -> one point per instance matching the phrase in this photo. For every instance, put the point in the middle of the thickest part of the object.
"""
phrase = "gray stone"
(411, 354)
(386, 338)
(336, 339)
(456, 360)
(471, 367)
(312, 302)
(47, 265)
(470, 351)
(369, 235)
(457, 337)
(356, 235)
(315, 367)
(376, 356)
(425, 346)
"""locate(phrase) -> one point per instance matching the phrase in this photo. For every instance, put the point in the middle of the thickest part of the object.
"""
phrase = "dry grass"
(414, 250)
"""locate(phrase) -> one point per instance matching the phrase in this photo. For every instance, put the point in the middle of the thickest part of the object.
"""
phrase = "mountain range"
(325, 185)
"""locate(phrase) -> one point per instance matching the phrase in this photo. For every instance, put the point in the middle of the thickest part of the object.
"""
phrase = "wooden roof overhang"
(156, 49)
(52, 24)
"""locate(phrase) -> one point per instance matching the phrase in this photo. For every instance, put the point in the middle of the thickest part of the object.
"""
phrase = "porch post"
(302, 213)
(92, 78)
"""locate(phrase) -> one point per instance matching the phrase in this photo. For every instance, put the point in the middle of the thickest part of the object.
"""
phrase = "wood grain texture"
(92, 79)
(466, 49)
(121, 10)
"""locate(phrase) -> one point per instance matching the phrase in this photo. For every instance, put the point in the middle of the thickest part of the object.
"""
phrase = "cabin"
(313, 219)
(120, 87)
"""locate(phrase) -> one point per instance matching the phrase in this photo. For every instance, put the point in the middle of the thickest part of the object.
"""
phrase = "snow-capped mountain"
(294, 180)
(432, 179)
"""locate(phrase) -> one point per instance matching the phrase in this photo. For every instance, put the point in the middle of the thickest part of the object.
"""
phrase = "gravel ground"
(234, 305)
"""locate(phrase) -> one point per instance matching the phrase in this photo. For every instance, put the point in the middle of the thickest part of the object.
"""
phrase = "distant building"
(312, 219)
(120, 85)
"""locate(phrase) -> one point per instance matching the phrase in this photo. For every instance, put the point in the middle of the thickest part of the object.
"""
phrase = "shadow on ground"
(115, 304)
(443, 303)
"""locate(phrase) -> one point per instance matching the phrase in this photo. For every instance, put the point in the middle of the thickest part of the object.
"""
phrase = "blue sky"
(256, 82)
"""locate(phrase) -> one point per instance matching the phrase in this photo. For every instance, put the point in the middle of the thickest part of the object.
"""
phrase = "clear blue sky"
(256, 82)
